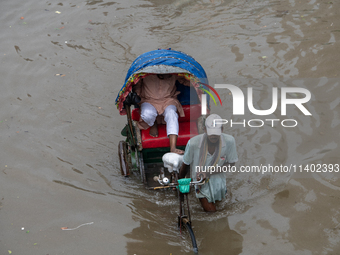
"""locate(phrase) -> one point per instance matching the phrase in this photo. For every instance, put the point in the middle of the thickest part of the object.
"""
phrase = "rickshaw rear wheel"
(123, 158)
(141, 168)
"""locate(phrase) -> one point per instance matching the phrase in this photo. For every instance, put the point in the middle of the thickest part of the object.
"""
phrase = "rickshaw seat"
(187, 128)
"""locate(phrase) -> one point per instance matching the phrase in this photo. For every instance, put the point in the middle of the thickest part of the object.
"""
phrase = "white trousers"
(149, 114)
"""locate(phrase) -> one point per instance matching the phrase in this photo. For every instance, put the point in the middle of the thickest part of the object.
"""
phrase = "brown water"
(59, 133)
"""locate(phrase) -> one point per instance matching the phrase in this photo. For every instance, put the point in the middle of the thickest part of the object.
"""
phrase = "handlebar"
(165, 182)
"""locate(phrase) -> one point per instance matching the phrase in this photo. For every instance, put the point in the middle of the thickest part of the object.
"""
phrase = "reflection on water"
(160, 223)
(62, 67)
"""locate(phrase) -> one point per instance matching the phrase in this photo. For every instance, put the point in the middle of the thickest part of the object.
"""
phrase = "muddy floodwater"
(62, 65)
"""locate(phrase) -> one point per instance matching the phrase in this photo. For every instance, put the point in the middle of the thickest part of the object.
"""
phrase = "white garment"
(149, 114)
(215, 189)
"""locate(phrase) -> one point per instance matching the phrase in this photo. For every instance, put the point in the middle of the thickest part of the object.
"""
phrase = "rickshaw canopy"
(162, 61)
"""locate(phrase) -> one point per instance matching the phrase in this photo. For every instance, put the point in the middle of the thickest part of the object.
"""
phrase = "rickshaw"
(140, 152)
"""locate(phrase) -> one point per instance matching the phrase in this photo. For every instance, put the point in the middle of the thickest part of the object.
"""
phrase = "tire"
(123, 159)
(187, 225)
(141, 168)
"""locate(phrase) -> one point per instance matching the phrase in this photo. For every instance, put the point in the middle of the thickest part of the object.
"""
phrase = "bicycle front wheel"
(187, 225)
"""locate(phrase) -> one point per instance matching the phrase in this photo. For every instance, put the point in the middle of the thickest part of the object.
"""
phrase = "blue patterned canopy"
(168, 58)
(164, 61)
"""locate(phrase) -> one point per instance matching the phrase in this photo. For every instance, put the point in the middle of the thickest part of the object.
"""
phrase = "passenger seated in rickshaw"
(159, 97)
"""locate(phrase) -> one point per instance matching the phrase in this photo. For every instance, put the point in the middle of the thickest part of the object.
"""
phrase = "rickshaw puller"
(213, 148)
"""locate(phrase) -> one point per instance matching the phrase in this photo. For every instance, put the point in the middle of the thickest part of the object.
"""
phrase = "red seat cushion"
(187, 130)
(191, 112)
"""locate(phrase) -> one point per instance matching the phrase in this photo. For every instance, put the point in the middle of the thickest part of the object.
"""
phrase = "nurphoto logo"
(239, 102)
